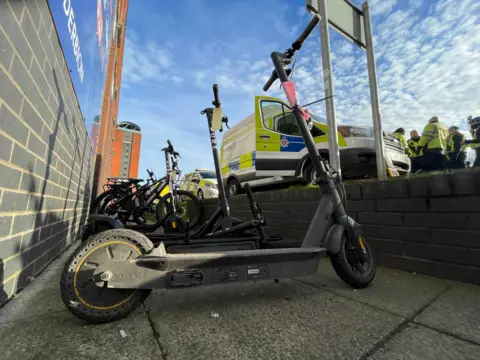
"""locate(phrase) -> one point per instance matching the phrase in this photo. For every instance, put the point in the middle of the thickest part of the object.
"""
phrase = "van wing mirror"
(217, 118)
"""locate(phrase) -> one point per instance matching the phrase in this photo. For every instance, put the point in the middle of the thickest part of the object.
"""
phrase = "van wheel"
(309, 174)
(200, 194)
(233, 187)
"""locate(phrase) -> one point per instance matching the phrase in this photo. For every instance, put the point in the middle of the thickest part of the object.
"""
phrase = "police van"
(201, 182)
(267, 148)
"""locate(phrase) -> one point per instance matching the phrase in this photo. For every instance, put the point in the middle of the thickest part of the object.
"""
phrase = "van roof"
(248, 120)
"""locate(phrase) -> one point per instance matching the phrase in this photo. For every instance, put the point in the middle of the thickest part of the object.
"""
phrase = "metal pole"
(328, 87)
(372, 77)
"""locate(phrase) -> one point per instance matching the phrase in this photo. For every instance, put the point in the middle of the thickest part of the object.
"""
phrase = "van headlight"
(211, 185)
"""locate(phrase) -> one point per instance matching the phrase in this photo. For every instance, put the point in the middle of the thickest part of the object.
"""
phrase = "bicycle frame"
(156, 188)
(151, 192)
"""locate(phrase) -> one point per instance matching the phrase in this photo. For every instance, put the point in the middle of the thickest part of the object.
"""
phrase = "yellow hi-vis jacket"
(413, 146)
(402, 139)
(451, 143)
(434, 136)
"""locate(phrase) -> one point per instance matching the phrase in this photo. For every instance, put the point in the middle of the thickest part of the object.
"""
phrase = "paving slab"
(317, 317)
(59, 263)
(399, 292)
(456, 312)
(285, 320)
(420, 343)
(42, 295)
(39, 299)
(64, 337)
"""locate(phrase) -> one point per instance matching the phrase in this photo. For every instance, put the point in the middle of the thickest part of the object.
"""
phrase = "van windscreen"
(207, 174)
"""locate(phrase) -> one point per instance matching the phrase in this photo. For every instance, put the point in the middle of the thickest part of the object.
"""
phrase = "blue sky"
(427, 62)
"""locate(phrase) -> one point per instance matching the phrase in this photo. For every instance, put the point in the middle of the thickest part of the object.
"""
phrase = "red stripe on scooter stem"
(289, 89)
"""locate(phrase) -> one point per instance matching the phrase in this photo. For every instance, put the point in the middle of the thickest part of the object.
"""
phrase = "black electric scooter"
(221, 225)
(114, 272)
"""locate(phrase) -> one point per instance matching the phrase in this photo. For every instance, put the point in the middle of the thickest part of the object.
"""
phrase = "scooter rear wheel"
(352, 270)
(79, 285)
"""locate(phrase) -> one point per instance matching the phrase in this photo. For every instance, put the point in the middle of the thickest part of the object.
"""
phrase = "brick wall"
(46, 159)
(428, 225)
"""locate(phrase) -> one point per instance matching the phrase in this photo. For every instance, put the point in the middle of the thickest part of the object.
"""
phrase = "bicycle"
(129, 201)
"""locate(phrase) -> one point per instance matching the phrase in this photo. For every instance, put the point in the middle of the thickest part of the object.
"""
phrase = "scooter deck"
(157, 238)
(164, 270)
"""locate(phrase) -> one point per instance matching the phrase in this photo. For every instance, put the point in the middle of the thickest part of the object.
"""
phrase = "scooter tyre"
(344, 269)
(89, 302)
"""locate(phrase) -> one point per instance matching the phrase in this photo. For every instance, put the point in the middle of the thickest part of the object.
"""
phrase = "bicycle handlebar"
(170, 149)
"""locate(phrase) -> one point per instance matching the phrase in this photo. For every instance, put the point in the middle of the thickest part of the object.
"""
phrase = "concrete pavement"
(402, 316)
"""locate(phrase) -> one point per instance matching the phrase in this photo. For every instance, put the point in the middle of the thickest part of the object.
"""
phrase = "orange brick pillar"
(110, 100)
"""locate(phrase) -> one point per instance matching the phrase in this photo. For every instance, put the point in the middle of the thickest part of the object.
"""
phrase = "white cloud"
(414, 4)
(425, 67)
(379, 7)
(177, 80)
(259, 64)
(200, 76)
(146, 61)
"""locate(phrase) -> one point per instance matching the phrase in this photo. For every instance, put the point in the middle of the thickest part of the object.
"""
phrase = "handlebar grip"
(297, 44)
(216, 102)
(270, 81)
(170, 146)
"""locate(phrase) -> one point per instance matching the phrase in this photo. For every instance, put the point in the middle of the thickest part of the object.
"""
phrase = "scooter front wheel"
(83, 291)
(350, 268)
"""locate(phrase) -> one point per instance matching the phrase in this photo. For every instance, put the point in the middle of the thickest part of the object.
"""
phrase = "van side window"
(316, 131)
(278, 117)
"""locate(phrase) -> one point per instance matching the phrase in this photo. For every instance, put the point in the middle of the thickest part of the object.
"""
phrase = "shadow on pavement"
(3, 294)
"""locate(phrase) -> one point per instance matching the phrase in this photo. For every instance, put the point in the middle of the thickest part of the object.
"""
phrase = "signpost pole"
(328, 87)
(372, 76)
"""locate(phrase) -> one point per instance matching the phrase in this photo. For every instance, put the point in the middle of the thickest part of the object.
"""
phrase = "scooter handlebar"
(270, 81)
(216, 101)
(297, 44)
(286, 57)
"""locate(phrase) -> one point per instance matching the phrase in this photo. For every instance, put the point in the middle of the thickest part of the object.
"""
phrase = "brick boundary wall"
(46, 159)
(429, 225)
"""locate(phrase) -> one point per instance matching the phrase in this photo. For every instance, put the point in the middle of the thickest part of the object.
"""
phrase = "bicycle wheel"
(187, 207)
(101, 202)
